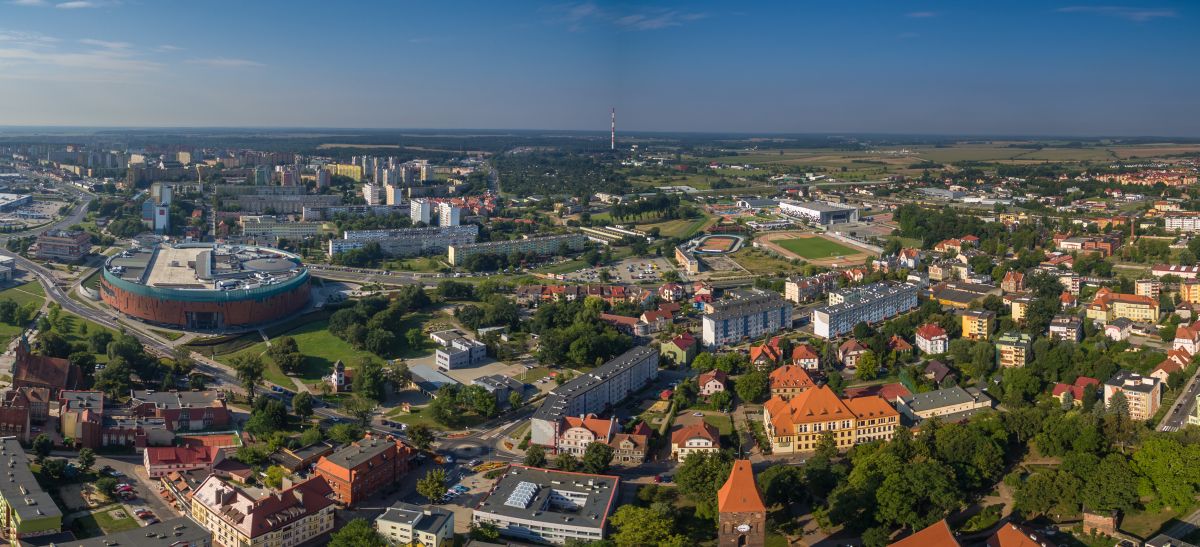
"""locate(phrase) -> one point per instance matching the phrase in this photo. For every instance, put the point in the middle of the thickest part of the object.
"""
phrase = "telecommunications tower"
(612, 145)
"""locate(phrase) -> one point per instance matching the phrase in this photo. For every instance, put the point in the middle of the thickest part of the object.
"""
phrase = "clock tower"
(742, 516)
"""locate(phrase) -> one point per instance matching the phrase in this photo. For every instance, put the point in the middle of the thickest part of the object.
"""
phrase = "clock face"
(743, 528)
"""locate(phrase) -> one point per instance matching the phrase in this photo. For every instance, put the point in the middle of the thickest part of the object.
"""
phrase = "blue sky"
(1069, 68)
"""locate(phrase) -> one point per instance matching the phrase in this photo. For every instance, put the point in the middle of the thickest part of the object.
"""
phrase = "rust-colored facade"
(361, 469)
(233, 312)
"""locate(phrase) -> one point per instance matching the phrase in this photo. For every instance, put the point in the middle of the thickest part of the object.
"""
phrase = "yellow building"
(977, 324)
(1108, 305)
(1012, 349)
(1018, 307)
(1189, 291)
(796, 425)
(355, 172)
(276, 519)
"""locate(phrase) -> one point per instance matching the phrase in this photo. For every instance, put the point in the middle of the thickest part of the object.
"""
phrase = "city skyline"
(1025, 68)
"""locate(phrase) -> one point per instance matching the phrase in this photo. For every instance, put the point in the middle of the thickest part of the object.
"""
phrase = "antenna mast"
(612, 145)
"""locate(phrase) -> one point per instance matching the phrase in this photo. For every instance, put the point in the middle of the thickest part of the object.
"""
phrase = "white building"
(870, 304)
(819, 212)
(420, 210)
(747, 316)
(449, 215)
(544, 506)
(594, 392)
(407, 241)
(1142, 393)
(461, 352)
(1183, 221)
(407, 524)
(373, 193)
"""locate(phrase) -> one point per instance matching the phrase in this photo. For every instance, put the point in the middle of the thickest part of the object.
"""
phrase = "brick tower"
(742, 518)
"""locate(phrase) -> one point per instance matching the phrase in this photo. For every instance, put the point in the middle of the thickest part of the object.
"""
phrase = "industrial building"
(819, 212)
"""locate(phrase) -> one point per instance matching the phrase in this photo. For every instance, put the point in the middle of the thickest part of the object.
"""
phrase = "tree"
(867, 366)
(268, 416)
(42, 445)
(432, 485)
(311, 436)
(566, 462)
(721, 400)
(250, 370)
(252, 454)
(106, 485)
(1037, 495)
(54, 468)
(361, 408)
(698, 478)
(876, 536)
(1113, 485)
(535, 456)
(515, 400)
(87, 458)
(345, 433)
(357, 533)
(369, 380)
(919, 495)
(637, 526)
(302, 405)
(704, 362)
(753, 387)
(781, 484)
(596, 458)
(114, 379)
(420, 436)
(274, 476)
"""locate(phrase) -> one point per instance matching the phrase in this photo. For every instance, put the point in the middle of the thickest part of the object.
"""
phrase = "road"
(1177, 416)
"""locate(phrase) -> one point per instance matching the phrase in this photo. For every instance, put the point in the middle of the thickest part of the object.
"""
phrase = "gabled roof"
(939, 370)
(899, 344)
(790, 376)
(740, 492)
(851, 345)
(937, 534)
(698, 430)
(1188, 332)
(598, 426)
(684, 341)
(765, 351)
(1076, 388)
(180, 455)
(929, 331)
(818, 404)
(804, 352)
(715, 374)
(1011, 535)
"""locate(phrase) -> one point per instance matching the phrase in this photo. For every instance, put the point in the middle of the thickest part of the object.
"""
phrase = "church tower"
(742, 516)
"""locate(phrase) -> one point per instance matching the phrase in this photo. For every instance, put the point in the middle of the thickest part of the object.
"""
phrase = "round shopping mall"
(205, 285)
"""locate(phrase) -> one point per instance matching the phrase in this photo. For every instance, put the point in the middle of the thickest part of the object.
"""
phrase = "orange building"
(796, 425)
(789, 380)
(363, 468)
(741, 513)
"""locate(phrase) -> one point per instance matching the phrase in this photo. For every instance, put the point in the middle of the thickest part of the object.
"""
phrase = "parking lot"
(627, 271)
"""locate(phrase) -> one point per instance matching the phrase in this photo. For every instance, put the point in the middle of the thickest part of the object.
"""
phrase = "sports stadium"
(205, 285)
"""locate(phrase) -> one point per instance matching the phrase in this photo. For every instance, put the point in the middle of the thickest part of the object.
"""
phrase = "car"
(462, 488)
(698, 414)
(657, 478)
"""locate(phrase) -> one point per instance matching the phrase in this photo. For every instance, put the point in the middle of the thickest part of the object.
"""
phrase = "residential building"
(578, 432)
(805, 356)
(421, 210)
(870, 304)
(790, 380)
(1187, 337)
(1189, 291)
(1014, 281)
(40, 371)
(766, 355)
(748, 316)
(937, 534)
(1014, 535)
(697, 437)
(269, 226)
(359, 470)
(939, 373)
(909, 258)
(1176, 361)
(183, 410)
(284, 519)
(932, 338)
(1108, 306)
(162, 460)
(36, 399)
(500, 387)
(977, 324)
(712, 381)
(1013, 349)
(457, 255)
(1119, 329)
(449, 214)
(1142, 393)
(545, 506)
(633, 447)
(374, 194)
(1184, 221)
(26, 511)
(173, 532)
(680, 350)
(850, 351)
(1066, 327)
(1017, 306)
(1148, 287)
(594, 392)
(1074, 390)
(795, 425)
(62, 245)
(406, 524)
(805, 289)
(406, 241)
(741, 513)
(951, 404)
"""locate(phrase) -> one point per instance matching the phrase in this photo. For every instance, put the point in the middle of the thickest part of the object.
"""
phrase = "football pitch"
(815, 247)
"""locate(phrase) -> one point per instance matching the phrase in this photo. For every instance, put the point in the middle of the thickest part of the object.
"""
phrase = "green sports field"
(815, 247)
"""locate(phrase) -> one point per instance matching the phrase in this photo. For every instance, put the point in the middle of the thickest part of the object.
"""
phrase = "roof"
(899, 344)
(939, 370)
(255, 517)
(177, 399)
(939, 398)
(42, 370)
(684, 341)
(746, 305)
(1076, 388)
(937, 534)
(697, 430)
(168, 533)
(851, 345)
(1012, 535)
(929, 331)
(888, 392)
(598, 426)
(715, 374)
(790, 376)
(26, 499)
(1132, 381)
(180, 455)
(426, 519)
(524, 493)
(740, 492)
(802, 352)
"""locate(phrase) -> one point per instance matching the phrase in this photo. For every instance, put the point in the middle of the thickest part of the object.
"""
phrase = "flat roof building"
(594, 392)
(746, 316)
(408, 524)
(457, 255)
(819, 212)
(545, 506)
(27, 511)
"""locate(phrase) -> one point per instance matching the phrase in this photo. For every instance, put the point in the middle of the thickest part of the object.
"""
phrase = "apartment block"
(269, 519)
(1142, 393)
(1013, 349)
(407, 524)
(26, 511)
(406, 241)
(457, 255)
(870, 304)
(748, 315)
(594, 392)
(977, 324)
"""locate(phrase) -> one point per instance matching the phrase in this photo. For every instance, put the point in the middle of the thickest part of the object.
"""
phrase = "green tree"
(919, 495)
(566, 462)
(1113, 485)
(311, 436)
(781, 484)
(106, 485)
(345, 433)
(54, 467)
(867, 367)
(637, 526)
(699, 477)
(357, 533)
(361, 408)
(42, 445)
(87, 458)
(515, 400)
(535, 456)
(721, 400)
(369, 380)
(274, 476)
(432, 485)
(302, 405)
(596, 458)
(114, 380)
(753, 387)
(249, 370)
(421, 436)
(704, 362)
(1038, 494)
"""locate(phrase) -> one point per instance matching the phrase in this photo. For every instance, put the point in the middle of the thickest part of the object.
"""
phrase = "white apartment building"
(407, 241)
(1143, 393)
(373, 193)
(407, 524)
(870, 304)
(1183, 221)
(594, 392)
(449, 215)
(748, 316)
(420, 210)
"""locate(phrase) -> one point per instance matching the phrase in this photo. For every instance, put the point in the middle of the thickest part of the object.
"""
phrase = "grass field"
(815, 247)
(26, 293)
(681, 228)
(424, 264)
(321, 350)
(100, 522)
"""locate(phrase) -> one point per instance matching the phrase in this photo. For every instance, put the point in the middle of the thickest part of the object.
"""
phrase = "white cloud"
(77, 4)
(1137, 15)
(225, 62)
(167, 47)
(33, 3)
(577, 16)
(105, 43)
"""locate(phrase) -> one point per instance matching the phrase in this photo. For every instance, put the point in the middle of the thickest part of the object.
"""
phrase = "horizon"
(1081, 69)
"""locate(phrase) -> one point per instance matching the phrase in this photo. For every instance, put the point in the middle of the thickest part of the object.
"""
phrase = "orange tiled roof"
(935, 535)
(599, 427)
(790, 376)
(929, 331)
(740, 492)
(700, 429)
(1010, 535)
(804, 352)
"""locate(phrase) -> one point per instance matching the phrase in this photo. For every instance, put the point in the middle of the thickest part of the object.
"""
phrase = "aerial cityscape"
(596, 273)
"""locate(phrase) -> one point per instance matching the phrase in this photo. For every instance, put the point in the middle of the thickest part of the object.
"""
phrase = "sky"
(882, 66)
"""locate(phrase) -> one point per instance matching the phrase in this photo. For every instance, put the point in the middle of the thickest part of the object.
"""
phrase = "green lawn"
(534, 374)
(73, 332)
(419, 417)
(100, 522)
(168, 334)
(321, 350)
(681, 228)
(720, 421)
(425, 264)
(26, 293)
(815, 247)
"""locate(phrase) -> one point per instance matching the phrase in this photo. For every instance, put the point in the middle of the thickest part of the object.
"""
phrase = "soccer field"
(815, 247)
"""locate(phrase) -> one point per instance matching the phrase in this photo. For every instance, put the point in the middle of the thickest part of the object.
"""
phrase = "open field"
(759, 262)
(30, 292)
(827, 252)
(682, 228)
(718, 244)
(321, 350)
(814, 247)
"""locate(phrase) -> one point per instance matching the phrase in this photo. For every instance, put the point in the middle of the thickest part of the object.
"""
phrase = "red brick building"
(361, 469)
(52, 373)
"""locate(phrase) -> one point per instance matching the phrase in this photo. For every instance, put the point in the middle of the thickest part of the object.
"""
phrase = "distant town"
(441, 339)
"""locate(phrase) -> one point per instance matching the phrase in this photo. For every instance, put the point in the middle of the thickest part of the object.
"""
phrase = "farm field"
(815, 247)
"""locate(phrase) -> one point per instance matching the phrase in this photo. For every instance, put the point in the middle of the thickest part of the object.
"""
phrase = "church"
(742, 515)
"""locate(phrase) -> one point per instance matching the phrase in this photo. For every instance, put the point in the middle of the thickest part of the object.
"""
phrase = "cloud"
(225, 62)
(578, 16)
(17, 38)
(33, 3)
(167, 47)
(922, 14)
(105, 44)
(103, 60)
(77, 4)
(1137, 15)
(655, 21)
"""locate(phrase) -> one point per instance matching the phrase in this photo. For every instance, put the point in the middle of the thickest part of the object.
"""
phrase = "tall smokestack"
(612, 145)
